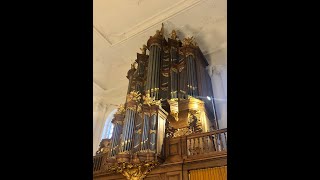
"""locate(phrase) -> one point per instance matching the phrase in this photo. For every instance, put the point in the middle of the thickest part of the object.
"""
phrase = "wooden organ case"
(165, 122)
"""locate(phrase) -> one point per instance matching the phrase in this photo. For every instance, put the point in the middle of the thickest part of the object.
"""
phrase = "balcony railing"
(207, 143)
(98, 162)
(188, 147)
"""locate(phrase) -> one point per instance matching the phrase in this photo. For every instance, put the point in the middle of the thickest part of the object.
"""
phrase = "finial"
(162, 29)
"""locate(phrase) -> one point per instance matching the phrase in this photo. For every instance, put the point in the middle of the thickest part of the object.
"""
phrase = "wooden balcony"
(200, 150)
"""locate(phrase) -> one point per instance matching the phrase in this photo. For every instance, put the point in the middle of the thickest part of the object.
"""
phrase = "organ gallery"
(167, 127)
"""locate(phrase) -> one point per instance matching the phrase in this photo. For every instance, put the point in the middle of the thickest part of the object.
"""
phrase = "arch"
(108, 126)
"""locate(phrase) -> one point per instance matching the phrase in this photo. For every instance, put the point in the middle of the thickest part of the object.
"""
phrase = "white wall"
(101, 110)
(218, 73)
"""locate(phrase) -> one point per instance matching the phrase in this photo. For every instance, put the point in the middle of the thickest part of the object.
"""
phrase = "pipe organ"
(167, 84)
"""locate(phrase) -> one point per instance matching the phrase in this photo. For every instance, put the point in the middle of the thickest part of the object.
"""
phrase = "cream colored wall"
(218, 73)
(101, 110)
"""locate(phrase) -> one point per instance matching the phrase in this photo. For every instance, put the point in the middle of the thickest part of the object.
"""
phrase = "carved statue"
(193, 124)
(174, 35)
(143, 49)
(151, 101)
(104, 146)
(169, 130)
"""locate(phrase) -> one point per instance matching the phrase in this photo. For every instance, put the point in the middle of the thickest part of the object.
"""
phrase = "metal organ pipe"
(153, 70)
(132, 129)
(157, 60)
(188, 76)
(191, 75)
(192, 72)
(149, 71)
(124, 131)
(145, 132)
(195, 80)
(156, 82)
(153, 75)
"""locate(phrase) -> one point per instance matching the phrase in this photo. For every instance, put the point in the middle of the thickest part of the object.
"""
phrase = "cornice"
(150, 22)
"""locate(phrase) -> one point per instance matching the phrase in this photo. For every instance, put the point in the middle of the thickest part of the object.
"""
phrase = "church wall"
(218, 73)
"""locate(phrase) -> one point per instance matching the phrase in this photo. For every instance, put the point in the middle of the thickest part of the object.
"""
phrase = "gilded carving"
(189, 41)
(138, 131)
(104, 147)
(181, 68)
(134, 96)
(174, 35)
(194, 122)
(182, 132)
(164, 88)
(151, 101)
(165, 74)
(135, 170)
(121, 109)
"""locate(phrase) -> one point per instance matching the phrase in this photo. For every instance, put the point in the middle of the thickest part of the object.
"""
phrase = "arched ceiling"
(120, 28)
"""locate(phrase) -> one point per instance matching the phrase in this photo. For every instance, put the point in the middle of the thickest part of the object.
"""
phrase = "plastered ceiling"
(121, 27)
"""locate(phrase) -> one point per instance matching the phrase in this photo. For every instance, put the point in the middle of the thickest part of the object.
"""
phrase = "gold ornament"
(134, 96)
(189, 41)
(134, 171)
(151, 101)
(174, 35)
(121, 109)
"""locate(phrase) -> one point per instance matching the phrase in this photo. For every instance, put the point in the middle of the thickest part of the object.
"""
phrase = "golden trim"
(121, 109)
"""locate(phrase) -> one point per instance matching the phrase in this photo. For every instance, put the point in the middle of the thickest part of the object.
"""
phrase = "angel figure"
(143, 49)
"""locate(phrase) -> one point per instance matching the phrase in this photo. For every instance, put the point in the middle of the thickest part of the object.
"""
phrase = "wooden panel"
(110, 177)
(153, 177)
(173, 176)
(174, 149)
